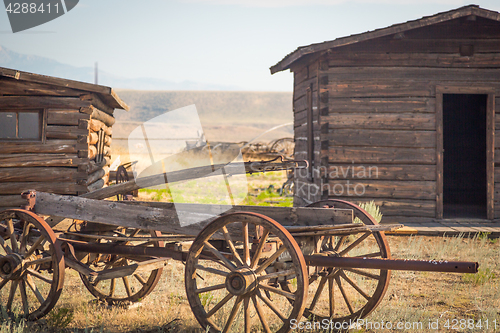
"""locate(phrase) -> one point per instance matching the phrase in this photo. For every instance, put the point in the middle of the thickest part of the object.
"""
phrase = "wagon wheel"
(128, 289)
(230, 284)
(284, 146)
(343, 294)
(31, 265)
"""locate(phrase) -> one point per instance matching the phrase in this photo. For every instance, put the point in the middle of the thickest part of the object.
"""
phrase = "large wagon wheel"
(344, 294)
(128, 289)
(31, 265)
(229, 283)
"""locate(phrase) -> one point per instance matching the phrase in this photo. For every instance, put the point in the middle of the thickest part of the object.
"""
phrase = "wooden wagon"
(267, 266)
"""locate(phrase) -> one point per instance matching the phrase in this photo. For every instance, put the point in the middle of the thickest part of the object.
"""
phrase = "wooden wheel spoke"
(5, 246)
(334, 273)
(232, 315)
(39, 261)
(24, 237)
(261, 314)
(272, 306)
(270, 260)
(229, 265)
(12, 292)
(319, 290)
(340, 243)
(133, 234)
(369, 255)
(140, 279)
(230, 243)
(3, 283)
(355, 286)
(211, 288)
(33, 248)
(287, 294)
(112, 287)
(127, 286)
(331, 298)
(276, 275)
(24, 297)
(360, 272)
(219, 305)
(355, 243)
(34, 288)
(12, 235)
(211, 270)
(260, 247)
(39, 276)
(246, 244)
(344, 295)
(246, 313)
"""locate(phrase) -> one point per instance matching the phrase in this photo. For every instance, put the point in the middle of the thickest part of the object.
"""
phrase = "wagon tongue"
(393, 264)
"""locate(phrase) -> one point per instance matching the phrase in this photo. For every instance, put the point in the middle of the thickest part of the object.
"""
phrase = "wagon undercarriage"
(246, 267)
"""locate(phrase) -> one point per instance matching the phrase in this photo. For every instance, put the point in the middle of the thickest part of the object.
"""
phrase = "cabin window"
(21, 125)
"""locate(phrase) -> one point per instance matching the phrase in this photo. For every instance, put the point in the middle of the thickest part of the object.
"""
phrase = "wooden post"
(490, 156)
(439, 155)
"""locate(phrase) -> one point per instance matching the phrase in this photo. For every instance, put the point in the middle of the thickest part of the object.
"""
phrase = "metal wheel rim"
(29, 284)
(379, 292)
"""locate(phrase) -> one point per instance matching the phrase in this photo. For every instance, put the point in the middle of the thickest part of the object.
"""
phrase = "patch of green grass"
(372, 209)
(479, 278)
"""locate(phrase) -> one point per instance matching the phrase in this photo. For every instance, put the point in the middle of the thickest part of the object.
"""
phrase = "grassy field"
(412, 297)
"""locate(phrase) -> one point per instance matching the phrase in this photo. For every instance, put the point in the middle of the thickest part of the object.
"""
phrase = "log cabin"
(405, 116)
(55, 135)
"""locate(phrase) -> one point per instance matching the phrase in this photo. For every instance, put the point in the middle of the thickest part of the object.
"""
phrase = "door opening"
(464, 157)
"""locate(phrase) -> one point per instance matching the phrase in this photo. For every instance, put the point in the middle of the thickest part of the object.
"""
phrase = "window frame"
(42, 121)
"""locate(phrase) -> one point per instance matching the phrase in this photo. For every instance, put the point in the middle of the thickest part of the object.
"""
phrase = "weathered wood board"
(164, 217)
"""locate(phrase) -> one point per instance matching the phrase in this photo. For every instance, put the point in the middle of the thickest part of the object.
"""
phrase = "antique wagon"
(267, 266)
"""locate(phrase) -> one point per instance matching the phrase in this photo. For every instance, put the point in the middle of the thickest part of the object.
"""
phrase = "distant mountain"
(230, 116)
(46, 66)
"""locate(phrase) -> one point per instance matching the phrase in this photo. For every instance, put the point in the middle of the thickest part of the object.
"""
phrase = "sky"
(224, 42)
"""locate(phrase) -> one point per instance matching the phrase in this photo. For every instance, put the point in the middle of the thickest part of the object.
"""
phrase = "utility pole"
(95, 73)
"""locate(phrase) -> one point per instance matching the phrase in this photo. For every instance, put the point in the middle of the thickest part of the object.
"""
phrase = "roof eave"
(302, 51)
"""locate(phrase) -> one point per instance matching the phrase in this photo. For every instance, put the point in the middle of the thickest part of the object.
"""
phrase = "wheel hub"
(11, 266)
(241, 282)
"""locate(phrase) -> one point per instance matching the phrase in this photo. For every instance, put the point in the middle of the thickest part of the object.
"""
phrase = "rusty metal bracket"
(30, 197)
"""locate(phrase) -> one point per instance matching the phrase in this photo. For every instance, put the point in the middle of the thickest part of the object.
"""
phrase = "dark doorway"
(464, 157)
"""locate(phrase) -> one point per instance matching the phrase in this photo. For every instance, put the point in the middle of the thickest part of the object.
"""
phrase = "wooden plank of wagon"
(166, 219)
(187, 174)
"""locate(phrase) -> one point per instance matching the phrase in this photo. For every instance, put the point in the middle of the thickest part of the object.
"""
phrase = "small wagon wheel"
(128, 289)
(232, 273)
(31, 265)
(283, 146)
(344, 294)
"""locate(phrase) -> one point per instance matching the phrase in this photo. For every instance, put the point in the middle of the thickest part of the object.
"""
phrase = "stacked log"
(98, 144)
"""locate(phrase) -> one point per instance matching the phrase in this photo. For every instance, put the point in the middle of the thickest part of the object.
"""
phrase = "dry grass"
(411, 297)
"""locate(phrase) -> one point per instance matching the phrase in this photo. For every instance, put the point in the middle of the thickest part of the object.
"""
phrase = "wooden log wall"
(306, 79)
(63, 161)
(377, 111)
